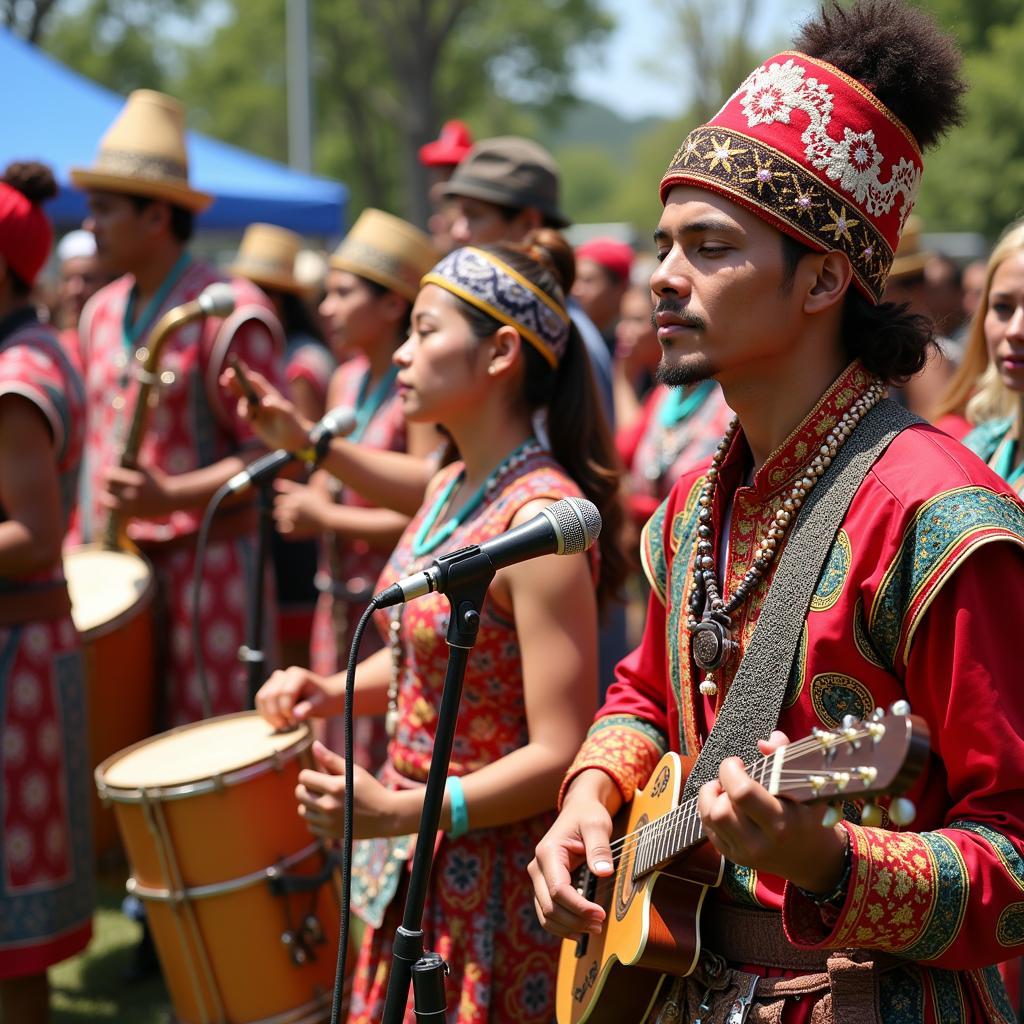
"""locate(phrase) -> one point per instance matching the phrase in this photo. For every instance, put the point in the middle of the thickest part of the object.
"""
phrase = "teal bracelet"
(460, 816)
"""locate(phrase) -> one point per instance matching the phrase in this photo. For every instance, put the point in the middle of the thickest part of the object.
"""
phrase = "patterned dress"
(993, 442)
(349, 568)
(46, 873)
(309, 361)
(664, 446)
(922, 599)
(193, 424)
(479, 914)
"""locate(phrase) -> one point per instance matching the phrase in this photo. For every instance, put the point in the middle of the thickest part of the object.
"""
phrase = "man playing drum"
(142, 208)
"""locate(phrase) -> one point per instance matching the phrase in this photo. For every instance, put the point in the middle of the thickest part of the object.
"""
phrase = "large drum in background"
(112, 607)
(241, 900)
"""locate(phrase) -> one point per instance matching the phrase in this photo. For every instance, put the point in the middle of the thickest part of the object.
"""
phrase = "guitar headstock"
(863, 758)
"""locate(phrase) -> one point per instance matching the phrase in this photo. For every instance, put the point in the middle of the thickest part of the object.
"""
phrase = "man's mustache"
(687, 317)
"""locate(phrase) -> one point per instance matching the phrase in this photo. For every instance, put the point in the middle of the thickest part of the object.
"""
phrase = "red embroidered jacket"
(922, 598)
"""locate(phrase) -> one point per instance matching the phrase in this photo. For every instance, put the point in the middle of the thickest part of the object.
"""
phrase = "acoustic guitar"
(664, 868)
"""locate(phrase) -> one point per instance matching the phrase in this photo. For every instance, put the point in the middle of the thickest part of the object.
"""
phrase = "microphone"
(566, 527)
(335, 423)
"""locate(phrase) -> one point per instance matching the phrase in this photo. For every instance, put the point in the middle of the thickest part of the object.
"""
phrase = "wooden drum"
(112, 607)
(241, 900)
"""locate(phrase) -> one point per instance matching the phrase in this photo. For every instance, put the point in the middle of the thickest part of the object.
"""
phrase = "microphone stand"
(252, 653)
(465, 576)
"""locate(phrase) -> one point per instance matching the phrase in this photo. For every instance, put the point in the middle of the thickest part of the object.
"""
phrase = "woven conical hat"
(143, 153)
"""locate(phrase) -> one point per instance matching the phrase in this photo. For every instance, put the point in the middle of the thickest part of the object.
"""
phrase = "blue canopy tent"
(58, 117)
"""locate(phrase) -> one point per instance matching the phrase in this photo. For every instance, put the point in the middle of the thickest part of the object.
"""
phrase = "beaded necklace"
(1003, 462)
(711, 642)
(367, 406)
(527, 450)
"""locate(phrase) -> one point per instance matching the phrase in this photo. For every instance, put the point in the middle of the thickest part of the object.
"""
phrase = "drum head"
(198, 752)
(104, 585)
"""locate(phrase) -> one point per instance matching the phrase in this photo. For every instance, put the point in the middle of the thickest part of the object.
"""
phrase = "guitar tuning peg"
(902, 811)
(871, 815)
(877, 715)
(899, 707)
(848, 722)
(832, 816)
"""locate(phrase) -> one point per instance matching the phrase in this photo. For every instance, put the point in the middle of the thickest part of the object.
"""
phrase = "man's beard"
(692, 369)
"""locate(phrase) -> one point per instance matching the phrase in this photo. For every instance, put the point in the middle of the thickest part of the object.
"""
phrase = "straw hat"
(910, 258)
(387, 250)
(266, 256)
(143, 153)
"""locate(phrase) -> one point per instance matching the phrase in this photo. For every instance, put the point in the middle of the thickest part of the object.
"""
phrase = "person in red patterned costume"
(494, 359)
(141, 211)
(46, 872)
(780, 220)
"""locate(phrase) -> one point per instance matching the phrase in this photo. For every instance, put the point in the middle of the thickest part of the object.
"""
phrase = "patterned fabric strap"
(752, 705)
(491, 285)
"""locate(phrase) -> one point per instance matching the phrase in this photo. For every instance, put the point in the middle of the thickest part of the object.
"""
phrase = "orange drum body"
(241, 900)
(112, 607)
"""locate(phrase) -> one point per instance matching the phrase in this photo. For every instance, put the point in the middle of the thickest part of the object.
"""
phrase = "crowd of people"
(792, 341)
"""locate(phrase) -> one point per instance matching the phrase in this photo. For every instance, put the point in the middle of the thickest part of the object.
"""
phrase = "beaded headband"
(813, 152)
(491, 285)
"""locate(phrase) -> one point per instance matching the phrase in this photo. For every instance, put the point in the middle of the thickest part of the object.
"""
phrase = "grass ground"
(90, 988)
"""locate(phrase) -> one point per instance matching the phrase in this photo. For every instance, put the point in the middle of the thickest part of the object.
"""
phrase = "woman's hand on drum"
(377, 810)
(292, 695)
(278, 423)
(300, 511)
(146, 492)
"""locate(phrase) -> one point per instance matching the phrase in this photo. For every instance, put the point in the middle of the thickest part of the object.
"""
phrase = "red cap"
(25, 234)
(449, 148)
(616, 257)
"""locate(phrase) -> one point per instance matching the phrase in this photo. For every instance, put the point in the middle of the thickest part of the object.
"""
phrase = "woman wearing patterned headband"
(835, 555)
(989, 385)
(46, 886)
(492, 357)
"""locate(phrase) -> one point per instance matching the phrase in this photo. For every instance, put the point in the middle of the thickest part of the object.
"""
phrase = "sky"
(619, 79)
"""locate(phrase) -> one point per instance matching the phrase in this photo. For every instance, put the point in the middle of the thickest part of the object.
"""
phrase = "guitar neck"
(665, 838)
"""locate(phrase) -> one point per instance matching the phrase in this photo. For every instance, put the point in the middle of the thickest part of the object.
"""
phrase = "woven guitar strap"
(751, 707)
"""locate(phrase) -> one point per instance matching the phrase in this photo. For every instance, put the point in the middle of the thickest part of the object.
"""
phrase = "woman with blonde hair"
(988, 389)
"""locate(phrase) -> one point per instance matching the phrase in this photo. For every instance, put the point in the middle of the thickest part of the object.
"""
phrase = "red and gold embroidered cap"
(813, 152)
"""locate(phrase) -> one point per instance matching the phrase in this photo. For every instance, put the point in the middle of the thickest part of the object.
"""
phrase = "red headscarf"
(25, 234)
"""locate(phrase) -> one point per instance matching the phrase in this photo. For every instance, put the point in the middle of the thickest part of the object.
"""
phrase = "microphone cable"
(202, 539)
(349, 813)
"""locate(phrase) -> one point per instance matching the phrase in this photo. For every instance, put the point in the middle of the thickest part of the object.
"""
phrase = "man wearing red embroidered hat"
(603, 266)
(836, 555)
(46, 873)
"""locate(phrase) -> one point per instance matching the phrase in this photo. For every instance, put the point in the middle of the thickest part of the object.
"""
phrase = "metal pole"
(300, 106)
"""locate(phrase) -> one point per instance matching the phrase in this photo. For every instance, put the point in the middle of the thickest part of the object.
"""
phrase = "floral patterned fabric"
(349, 567)
(46, 872)
(921, 591)
(479, 914)
(194, 423)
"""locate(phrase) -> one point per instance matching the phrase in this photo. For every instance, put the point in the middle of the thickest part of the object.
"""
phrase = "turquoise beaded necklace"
(132, 329)
(679, 405)
(424, 542)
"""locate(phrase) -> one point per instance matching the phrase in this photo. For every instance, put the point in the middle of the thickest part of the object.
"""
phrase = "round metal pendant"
(709, 644)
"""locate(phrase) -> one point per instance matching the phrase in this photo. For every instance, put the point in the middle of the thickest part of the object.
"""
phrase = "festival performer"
(371, 284)
(780, 220)
(603, 268)
(989, 385)
(46, 882)
(267, 256)
(494, 358)
(141, 211)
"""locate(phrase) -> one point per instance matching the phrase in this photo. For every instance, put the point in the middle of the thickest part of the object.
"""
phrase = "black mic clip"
(464, 576)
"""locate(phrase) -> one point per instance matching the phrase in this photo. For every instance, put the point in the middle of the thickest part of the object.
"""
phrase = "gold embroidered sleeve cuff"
(626, 747)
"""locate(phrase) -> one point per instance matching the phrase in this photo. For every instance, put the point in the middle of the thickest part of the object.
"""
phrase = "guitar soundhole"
(624, 890)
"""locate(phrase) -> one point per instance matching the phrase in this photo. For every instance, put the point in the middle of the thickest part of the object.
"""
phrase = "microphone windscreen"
(577, 523)
(217, 299)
